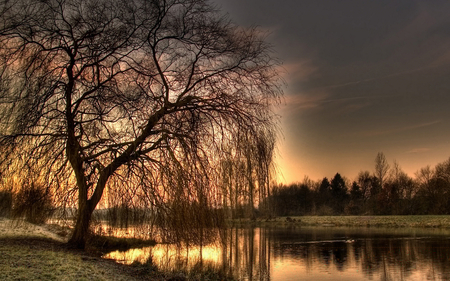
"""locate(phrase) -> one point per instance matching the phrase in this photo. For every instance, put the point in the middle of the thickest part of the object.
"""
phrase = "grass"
(28, 258)
(353, 221)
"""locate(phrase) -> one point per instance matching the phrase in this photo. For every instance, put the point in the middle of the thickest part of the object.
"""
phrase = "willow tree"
(143, 92)
(246, 173)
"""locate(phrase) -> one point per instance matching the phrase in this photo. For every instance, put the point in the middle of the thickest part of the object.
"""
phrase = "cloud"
(352, 107)
(418, 150)
(306, 100)
(300, 71)
(423, 41)
(401, 129)
(382, 77)
(319, 98)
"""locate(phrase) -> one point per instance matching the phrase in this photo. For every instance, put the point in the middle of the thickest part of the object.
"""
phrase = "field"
(354, 221)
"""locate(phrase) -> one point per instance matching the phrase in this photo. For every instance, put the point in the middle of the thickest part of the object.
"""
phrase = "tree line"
(388, 190)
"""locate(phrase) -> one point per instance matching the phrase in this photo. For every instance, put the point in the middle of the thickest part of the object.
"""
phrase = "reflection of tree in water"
(251, 254)
(439, 253)
(389, 257)
(340, 255)
(246, 253)
(325, 256)
(380, 257)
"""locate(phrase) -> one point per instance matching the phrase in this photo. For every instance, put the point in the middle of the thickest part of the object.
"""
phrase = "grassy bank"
(37, 252)
(29, 258)
(352, 221)
(31, 252)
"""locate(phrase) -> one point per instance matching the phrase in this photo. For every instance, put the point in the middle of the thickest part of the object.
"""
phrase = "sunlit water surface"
(311, 253)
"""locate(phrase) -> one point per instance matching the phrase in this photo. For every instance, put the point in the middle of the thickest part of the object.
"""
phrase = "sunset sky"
(362, 77)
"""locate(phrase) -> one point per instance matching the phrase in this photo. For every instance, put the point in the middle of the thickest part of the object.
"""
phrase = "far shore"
(428, 221)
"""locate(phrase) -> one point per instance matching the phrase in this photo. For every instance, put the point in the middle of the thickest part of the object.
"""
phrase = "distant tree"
(441, 187)
(356, 192)
(400, 190)
(324, 190)
(369, 185)
(370, 189)
(323, 196)
(433, 194)
(355, 204)
(135, 95)
(381, 168)
(291, 200)
(305, 199)
(442, 171)
(324, 186)
(339, 193)
(424, 176)
(281, 200)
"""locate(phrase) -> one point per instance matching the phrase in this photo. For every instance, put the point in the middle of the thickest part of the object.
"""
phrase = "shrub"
(5, 203)
(34, 203)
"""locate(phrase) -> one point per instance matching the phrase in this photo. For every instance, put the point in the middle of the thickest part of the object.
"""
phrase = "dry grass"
(28, 258)
(43, 259)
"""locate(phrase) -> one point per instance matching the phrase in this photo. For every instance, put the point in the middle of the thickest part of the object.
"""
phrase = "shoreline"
(37, 252)
(409, 221)
(31, 252)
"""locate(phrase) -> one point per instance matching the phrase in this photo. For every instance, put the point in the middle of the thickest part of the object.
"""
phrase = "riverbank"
(30, 252)
(39, 252)
(351, 221)
(33, 252)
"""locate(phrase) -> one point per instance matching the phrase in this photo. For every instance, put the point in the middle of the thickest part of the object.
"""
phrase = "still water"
(311, 253)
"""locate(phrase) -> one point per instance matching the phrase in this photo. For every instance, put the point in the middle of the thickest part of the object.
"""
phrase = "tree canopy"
(143, 95)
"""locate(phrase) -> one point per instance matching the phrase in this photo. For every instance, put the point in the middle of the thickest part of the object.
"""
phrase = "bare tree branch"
(161, 91)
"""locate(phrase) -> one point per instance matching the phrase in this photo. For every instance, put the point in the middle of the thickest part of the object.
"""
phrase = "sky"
(362, 77)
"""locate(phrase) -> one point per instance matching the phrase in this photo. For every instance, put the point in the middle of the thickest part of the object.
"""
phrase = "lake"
(311, 253)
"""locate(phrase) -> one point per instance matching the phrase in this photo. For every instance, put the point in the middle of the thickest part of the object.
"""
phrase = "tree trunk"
(79, 235)
(86, 208)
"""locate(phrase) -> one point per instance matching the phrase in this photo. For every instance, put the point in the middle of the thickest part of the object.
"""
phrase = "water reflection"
(312, 254)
